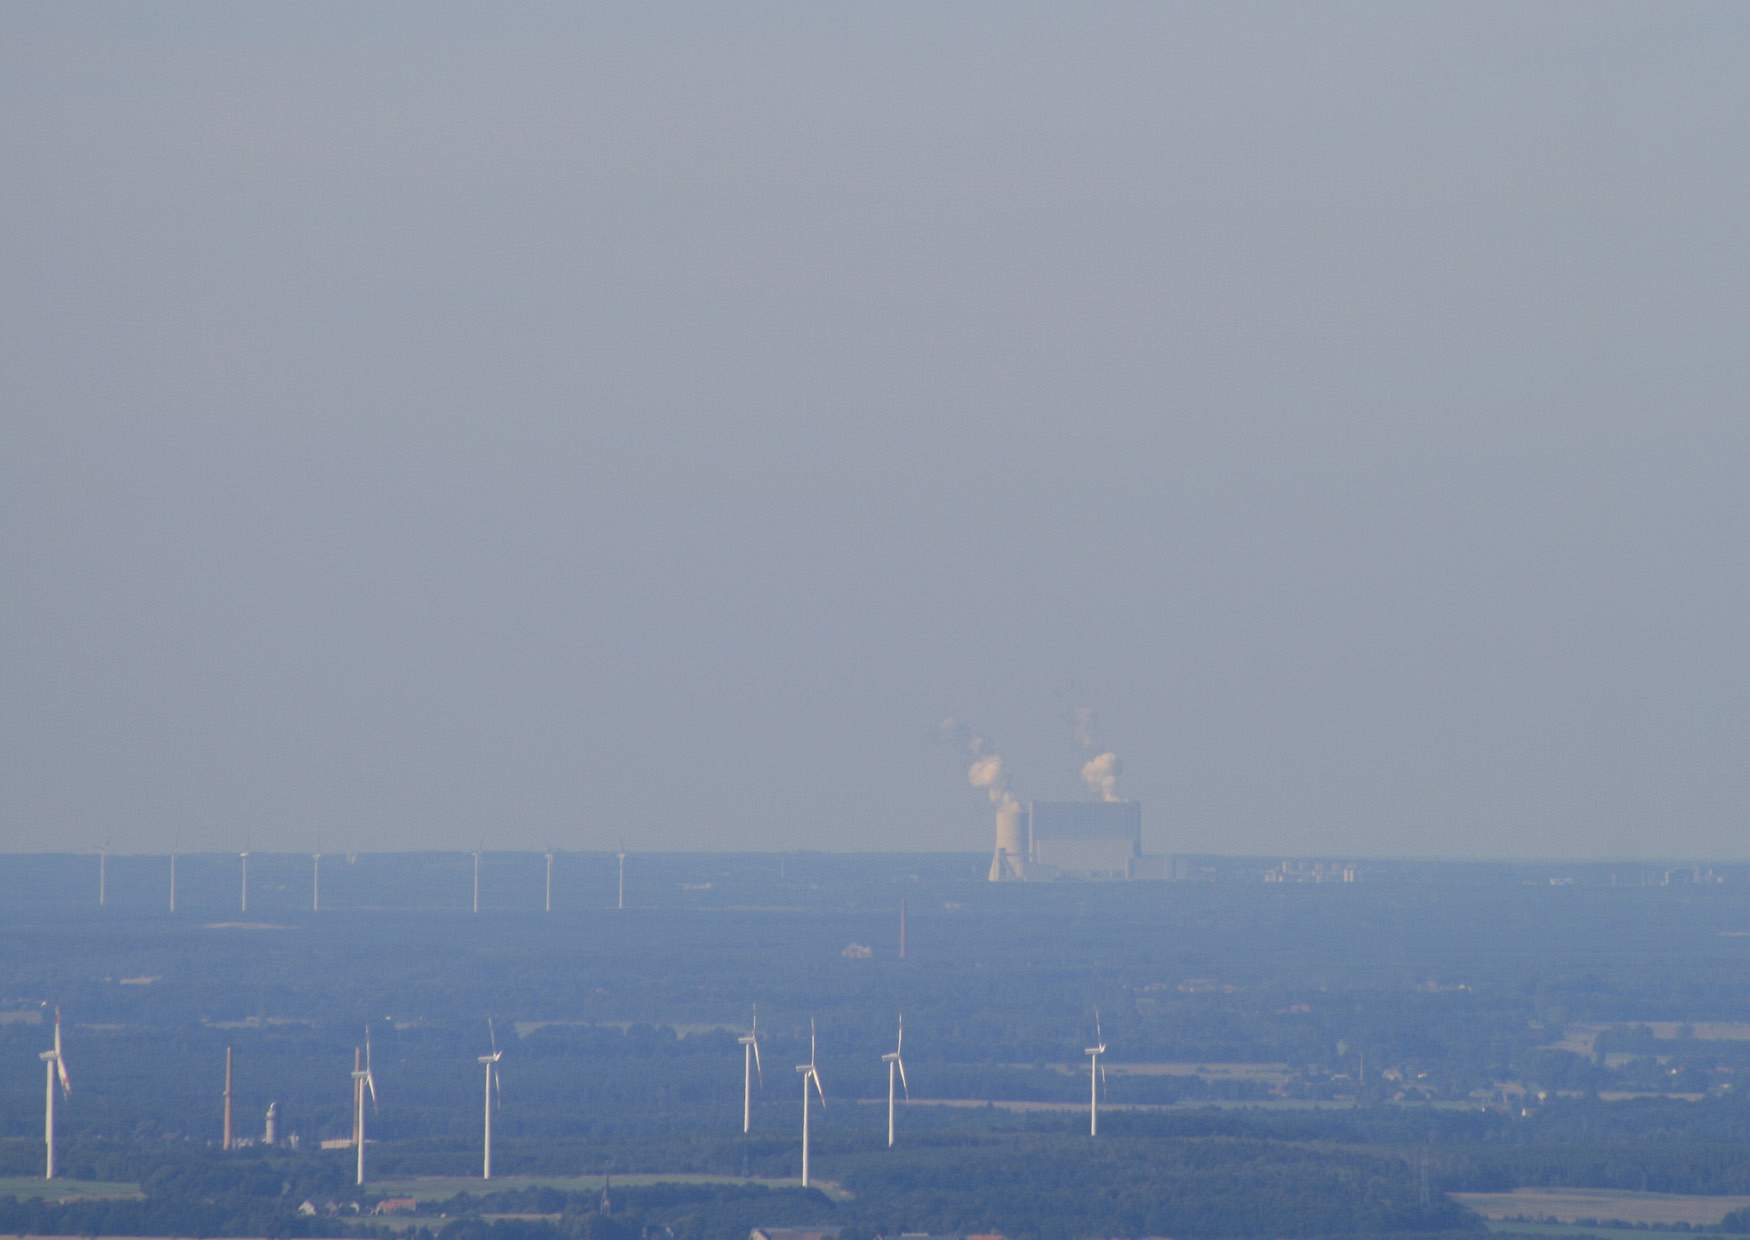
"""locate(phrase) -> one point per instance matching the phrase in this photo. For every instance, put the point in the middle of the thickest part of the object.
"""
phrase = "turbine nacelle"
(751, 1040)
(490, 1062)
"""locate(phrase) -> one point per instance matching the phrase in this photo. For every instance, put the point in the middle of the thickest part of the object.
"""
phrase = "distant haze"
(424, 425)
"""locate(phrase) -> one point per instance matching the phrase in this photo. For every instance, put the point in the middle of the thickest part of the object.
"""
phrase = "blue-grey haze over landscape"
(424, 425)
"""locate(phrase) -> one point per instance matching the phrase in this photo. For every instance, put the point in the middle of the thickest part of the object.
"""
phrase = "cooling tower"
(1011, 852)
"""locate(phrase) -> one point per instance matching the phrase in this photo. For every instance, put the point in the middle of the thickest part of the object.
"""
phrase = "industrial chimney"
(270, 1133)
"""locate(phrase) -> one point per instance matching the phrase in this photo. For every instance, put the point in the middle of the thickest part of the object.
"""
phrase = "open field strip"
(1196, 1104)
(1582, 1039)
(441, 1187)
(1263, 1071)
(38, 1189)
(1569, 1205)
(1597, 1233)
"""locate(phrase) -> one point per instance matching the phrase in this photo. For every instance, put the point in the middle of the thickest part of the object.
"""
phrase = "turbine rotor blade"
(900, 1064)
(492, 1034)
(60, 1062)
(756, 1062)
(370, 1078)
(818, 1088)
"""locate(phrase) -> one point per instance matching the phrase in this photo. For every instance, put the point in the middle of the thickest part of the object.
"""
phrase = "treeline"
(1047, 1187)
(165, 1216)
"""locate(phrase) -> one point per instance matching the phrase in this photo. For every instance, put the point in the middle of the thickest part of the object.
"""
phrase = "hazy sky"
(425, 424)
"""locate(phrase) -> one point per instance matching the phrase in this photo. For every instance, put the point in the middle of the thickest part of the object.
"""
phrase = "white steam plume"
(986, 771)
(1101, 774)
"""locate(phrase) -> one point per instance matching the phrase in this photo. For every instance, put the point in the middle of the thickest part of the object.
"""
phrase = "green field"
(1576, 1229)
(1568, 1205)
(68, 1190)
(442, 1187)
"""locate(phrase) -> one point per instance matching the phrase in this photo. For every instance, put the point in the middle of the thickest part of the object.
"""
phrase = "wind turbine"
(476, 880)
(750, 1063)
(173, 880)
(227, 1141)
(103, 876)
(243, 857)
(893, 1061)
(810, 1073)
(316, 880)
(362, 1080)
(490, 1062)
(56, 1069)
(622, 902)
(549, 878)
(1096, 1076)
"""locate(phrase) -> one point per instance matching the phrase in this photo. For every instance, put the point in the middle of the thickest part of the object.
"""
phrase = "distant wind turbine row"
(316, 880)
(364, 1084)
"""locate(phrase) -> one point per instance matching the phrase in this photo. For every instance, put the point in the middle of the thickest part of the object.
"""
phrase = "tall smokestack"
(227, 1097)
(270, 1133)
(902, 928)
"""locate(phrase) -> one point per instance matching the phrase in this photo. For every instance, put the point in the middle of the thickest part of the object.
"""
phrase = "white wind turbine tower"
(810, 1073)
(893, 1061)
(622, 901)
(357, 1061)
(1096, 1076)
(362, 1080)
(173, 880)
(243, 857)
(476, 880)
(103, 877)
(494, 1092)
(549, 878)
(56, 1072)
(316, 880)
(750, 1064)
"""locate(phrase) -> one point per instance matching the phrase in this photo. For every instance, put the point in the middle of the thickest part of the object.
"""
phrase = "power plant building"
(1087, 839)
(1072, 839)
